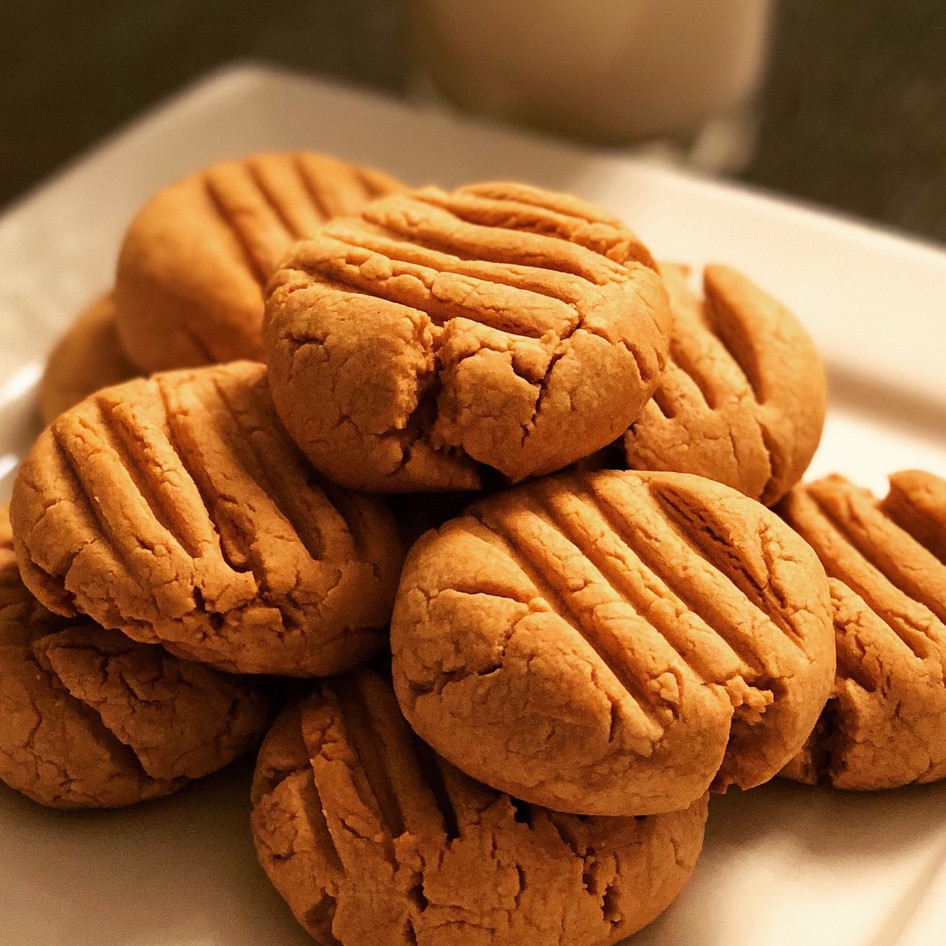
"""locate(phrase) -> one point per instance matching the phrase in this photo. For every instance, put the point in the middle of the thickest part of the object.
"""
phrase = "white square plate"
(782, 864)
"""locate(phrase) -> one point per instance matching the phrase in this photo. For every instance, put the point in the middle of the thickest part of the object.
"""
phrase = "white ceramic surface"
(782, 864)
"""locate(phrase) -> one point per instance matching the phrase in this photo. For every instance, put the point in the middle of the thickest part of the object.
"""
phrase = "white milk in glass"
(606, 71)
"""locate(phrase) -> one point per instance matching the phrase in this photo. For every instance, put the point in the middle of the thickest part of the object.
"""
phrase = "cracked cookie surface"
(436, 334)
(194, 261)
(178, 510)
(743, 396)
(885, 723)
(373, 839)
(92, 719)
(614, 642)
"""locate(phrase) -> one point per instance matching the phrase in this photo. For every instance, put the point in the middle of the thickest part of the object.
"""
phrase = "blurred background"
(851, 114)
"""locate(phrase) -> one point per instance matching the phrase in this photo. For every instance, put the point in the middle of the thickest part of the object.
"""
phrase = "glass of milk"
(613, 72)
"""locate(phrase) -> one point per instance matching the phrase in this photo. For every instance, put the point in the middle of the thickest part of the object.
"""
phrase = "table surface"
(852, 116)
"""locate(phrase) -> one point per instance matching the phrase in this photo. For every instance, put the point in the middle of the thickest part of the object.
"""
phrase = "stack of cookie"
(479, 498)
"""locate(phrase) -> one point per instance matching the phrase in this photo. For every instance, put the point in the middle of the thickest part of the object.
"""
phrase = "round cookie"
(91, 719)
(744, 393)
(177, 510)
(371, 838)
(194, 261)
(884, 724)
(614, 642)
(88, 357)
(437, 335)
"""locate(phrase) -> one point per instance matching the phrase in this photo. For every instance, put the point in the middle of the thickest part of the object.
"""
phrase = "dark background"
(853, 114)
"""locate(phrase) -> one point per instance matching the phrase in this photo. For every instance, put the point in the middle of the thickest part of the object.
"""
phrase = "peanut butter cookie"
(177, 510)
(744, 394)
(614, 642)
(885, 723)
(91, 719)
(373, 839)
(89, 356)
(496, 326)
(195, 259)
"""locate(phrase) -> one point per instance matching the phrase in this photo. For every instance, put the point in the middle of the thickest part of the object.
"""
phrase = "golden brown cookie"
(88, 357)
(496, 326)
(91, 719)
(373, 839)
(885, 723)
(177, 510)
(191, 271)
(743, 396)
(614, 642)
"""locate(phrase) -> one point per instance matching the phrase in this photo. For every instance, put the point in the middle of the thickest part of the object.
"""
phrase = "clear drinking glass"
(613, 72)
